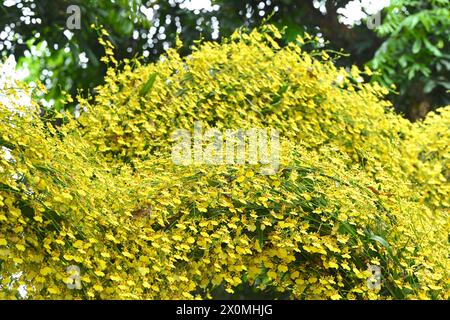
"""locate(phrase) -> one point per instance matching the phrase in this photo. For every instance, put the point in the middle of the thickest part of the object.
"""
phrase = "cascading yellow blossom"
(99, 195)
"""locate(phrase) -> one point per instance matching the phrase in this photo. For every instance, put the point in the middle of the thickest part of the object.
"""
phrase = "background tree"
(416, 54)
(36, 32)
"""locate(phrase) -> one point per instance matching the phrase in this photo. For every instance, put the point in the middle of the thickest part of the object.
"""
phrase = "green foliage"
(134, 33)
(63, 62)
(415, 55)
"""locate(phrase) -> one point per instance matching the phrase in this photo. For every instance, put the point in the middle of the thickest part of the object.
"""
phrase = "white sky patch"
(198, 5)
(7, 71)
(353, 12)
(68, 34)
(148, 12)
(356, 10)
(8, 76)
(10, 3)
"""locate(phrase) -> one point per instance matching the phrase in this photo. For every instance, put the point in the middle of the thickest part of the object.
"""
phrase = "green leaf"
(432, 48)
(429, 86)
(445, 84)
(445, 63)
(417, 46)
(425, 21)
(403, 61)
(411, 73)
(383, 242)
(347, 227)
(148, 85)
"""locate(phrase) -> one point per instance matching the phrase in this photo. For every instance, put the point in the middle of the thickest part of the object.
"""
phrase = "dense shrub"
(102, 193)
(427, 158)
(250, 81)
(244, 82)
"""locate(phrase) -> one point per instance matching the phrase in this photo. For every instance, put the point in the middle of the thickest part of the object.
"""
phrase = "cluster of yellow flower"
(357, 185)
